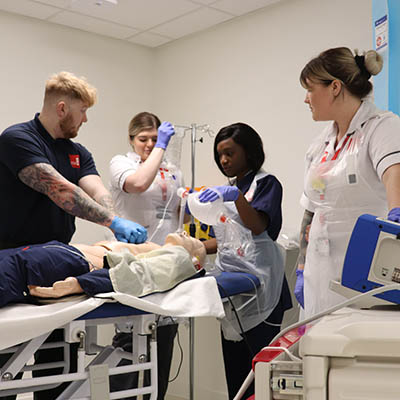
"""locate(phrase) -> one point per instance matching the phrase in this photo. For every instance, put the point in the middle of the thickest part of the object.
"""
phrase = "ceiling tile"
(240, 7)
(193, 22)
(140, 14)
(147, 22)
(94, 25)
(28, 8)
(56, 3)
(149, 39)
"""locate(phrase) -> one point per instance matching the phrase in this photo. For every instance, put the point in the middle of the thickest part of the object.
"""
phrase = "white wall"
(248, 70)
(32, 50)
(245, 70)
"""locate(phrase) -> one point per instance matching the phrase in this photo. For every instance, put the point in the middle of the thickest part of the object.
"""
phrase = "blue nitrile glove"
(299, 287)
(394, 214)
(228, 193)
(165, 132)
(128, 231)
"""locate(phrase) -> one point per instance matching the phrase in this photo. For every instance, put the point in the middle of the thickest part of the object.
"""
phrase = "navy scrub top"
(267, 198)
(26, 215)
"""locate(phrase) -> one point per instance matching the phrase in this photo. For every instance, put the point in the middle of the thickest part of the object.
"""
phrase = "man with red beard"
(46, 179)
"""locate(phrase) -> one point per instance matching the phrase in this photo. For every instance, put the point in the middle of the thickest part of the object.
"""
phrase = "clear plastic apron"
(159, 202)
(340, 194)
(262, 257)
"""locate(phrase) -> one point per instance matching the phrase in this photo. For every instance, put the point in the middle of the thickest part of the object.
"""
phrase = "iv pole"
(192, 230)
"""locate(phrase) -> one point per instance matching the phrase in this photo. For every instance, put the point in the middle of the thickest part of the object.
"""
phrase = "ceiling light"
(100, 2)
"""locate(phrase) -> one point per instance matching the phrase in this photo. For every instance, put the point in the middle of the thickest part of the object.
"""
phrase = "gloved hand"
(228, 193)
(299, 287)
(394, 214)
(165, 132)
(128, 231)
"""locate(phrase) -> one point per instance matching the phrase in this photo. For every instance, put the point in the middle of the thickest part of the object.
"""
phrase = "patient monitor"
(373, 257)
(350, 353)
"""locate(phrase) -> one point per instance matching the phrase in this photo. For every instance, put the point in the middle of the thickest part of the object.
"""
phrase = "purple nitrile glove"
(128, 231)
(228, 193)
(394, 214)
(299, 287)
(165, 132)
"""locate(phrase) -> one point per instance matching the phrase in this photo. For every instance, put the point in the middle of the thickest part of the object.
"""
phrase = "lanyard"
(336, 155)
(163, 184)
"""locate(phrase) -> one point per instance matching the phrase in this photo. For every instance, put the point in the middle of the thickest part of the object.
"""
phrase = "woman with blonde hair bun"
(352, 168)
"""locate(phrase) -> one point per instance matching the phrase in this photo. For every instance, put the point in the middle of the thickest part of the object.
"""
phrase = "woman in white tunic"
(144, 188)
(352, 168)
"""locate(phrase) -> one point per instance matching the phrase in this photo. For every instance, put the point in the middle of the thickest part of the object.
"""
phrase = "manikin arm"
(59, 289)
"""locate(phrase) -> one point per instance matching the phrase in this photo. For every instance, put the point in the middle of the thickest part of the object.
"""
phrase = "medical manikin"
(54, 269)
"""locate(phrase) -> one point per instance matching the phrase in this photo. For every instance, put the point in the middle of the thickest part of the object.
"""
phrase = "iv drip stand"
(192, 230)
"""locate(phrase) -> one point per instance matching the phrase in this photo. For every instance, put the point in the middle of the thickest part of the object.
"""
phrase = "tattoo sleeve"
(71, 198)
(307, 219)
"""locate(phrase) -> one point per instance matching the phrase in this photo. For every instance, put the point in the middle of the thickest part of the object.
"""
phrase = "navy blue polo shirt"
(267, 198)
(27, 216)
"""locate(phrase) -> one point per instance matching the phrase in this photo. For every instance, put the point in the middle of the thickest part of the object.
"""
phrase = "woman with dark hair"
(253, 199)
(245, 136)
(352, 168)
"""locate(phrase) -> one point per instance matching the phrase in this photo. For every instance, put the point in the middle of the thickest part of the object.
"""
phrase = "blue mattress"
(231, 283)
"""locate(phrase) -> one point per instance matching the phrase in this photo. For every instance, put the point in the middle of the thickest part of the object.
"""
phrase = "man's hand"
(128, 231)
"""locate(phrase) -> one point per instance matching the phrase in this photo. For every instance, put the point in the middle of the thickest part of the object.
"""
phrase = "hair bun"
(373, 62)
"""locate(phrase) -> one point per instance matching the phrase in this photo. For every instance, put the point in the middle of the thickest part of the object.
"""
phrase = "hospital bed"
(28, 326)
(353, 351)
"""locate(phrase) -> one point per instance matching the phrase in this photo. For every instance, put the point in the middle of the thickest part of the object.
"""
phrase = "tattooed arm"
(305, 227)
(45, 179)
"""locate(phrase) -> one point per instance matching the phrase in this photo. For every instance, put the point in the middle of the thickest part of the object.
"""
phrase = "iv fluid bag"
(173, 151)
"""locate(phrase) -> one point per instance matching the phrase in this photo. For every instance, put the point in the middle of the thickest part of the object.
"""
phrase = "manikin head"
(194, 246)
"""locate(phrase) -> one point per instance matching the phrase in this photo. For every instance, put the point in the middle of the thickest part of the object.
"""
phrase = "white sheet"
(193, 298)
(21, 322)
